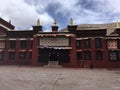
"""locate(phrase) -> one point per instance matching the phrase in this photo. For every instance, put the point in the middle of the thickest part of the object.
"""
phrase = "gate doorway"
(51, 54)
(43, 55)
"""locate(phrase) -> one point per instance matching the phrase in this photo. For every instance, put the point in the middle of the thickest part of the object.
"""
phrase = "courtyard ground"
(38, 78)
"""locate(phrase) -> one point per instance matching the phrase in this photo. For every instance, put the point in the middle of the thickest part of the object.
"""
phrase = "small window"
(87, 43)
(23, 44)
(113, 56)
(2, 44)
(11, 55)
(13, 44)
(78, 44)
(99, 55)
(113, 45)
(87, 55)
(98, 43)
(22, 55)
(1, 55)
(78, 55)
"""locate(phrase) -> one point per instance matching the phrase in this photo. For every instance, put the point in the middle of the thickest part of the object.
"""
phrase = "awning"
(11, 50)
(22, 50)
(55, 47)
(54, 35)
(1, 50)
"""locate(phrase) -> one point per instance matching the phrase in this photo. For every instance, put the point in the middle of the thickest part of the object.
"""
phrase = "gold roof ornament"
(117, 25)
(55, 23)
(71, 22)
(38, 22)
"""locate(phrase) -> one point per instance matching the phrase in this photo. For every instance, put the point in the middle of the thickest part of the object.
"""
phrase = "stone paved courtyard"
(38, 78)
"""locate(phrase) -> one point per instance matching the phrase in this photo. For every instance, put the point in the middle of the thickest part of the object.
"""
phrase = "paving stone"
(38, 78)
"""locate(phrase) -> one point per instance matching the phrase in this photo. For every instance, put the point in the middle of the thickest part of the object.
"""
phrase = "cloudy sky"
(24, 13)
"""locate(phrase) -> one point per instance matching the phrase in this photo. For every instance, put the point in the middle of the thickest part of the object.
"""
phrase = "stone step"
(53, 64)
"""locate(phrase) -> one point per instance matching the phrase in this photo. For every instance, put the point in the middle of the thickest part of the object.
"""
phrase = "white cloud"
(22, 14)
(44, 20)
(113, 5)
(107, 11)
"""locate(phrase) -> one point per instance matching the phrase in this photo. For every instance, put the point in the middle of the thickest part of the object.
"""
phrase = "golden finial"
(55, 23)
(117, 25)
(71, 21)
(38, 22)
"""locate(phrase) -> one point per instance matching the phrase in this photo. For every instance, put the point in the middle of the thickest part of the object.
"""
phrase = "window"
(22, 55)
(112, 44)
(98, 43)
(113, 56)
(78, 44)
(23, 44)
(87, 43)
(11, 55)
(2, 44)
(1, 55)
(78, 55)
(87, 55)
(13, 44)
(99, 55)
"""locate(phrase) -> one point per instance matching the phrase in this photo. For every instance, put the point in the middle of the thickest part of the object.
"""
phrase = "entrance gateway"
(54, 50)
(55, 56)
